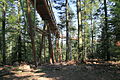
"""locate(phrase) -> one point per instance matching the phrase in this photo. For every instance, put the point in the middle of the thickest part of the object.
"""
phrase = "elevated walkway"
(44, 9)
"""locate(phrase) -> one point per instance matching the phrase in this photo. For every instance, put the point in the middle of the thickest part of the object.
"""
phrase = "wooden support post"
(58, 50)
(41, 44)
(61, 46)
(50, 46)
(44, 49)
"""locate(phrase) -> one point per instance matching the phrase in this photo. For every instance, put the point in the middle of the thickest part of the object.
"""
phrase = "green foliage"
(113, 30)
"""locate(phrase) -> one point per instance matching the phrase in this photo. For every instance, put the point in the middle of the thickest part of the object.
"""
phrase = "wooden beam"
(44, 32)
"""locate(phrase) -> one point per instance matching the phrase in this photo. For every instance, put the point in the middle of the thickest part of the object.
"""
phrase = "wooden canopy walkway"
(44, 9)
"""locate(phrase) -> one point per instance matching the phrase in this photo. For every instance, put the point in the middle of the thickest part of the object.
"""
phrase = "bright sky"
(73, 7)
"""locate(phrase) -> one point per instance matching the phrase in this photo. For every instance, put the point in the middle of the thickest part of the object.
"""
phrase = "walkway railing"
(51, 10)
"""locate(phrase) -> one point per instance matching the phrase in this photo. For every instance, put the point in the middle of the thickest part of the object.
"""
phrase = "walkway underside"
(44, 9)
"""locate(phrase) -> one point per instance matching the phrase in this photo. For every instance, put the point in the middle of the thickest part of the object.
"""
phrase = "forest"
(59, 39)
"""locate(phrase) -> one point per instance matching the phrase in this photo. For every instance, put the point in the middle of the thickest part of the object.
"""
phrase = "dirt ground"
(92, 70)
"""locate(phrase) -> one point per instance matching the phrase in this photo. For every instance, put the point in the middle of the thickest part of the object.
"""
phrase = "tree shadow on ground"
(91, 71)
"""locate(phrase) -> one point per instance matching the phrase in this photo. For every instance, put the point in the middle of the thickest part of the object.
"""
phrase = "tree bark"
(67, 32)
(3, 33)
(106, 35)
(80, 38)
(92, 31)
(19, 37)
(31, 31)
(19, 49)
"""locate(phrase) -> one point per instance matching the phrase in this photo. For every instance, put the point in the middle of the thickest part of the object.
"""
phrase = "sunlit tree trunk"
(80, 39)
(61, 46)
(84, 33)
(70, 48)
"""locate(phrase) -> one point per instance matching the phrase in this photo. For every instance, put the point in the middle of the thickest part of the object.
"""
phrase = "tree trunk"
(92, 44)
(31, 31)
(67, 32)
(19, 37)
(0, 44)
(3, 33)
(80, 38)
(19, 49)
(106, 37)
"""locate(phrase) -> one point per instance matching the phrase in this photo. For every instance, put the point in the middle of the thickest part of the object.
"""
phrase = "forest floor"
(91, 70)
